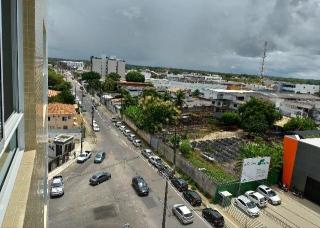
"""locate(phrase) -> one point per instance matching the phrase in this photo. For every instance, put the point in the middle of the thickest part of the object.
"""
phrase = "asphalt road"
(114, 202)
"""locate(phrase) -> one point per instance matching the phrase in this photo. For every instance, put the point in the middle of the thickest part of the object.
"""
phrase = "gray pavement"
(113, 203)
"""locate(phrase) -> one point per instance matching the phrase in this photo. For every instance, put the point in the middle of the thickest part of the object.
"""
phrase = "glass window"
(10, 56)
(6, 158)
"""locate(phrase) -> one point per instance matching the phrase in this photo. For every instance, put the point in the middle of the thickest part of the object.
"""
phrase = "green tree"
(127, 100)
(175, 139)
(114, 76)
(88, 76)
(57, 82)
(185, 147)
(157, 113)
(258, 115)
(300, 124)
(109, 85)
(230, 118)
(166, 96)
(94, 85)
(180, 96)
(196, 93)
(65, 97)
(149, 92)
(135, 76)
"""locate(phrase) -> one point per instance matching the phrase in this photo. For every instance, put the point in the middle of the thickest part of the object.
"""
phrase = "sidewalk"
(86, 146)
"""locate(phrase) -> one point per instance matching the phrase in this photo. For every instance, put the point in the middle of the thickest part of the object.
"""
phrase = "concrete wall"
(202, 180)
(306, 164)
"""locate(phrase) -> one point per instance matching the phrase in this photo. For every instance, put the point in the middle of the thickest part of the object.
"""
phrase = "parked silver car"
(183, 213)
(247, 206)
(271, 195)
(57, 187)
(257, 198)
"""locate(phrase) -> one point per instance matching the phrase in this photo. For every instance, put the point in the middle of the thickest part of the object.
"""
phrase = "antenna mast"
(263, 58)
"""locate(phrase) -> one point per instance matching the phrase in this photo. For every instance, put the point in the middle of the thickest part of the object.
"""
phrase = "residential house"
(62, 116)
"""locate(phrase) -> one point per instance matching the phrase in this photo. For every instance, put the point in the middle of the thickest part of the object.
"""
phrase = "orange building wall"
(290, 146)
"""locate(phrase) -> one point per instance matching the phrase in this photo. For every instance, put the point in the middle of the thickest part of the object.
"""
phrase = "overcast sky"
(217, 35)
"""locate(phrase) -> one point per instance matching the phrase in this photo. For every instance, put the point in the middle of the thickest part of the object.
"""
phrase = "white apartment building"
(105, 65)
(72, 64)
(299, 88)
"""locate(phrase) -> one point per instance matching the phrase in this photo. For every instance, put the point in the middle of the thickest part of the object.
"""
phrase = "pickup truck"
(84, 156)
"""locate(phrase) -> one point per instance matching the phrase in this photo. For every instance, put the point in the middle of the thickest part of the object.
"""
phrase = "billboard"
(255, 169)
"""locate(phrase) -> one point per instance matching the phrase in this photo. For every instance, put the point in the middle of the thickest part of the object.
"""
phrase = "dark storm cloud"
(202, 34)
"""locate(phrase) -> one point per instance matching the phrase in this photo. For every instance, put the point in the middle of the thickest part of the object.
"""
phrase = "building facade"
(301, 158)
(62, 116)
(23, 111)
(106, 65)
(299, 88)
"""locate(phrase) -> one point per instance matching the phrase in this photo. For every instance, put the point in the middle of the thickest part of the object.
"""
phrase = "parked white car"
(137, 142)
(126, 132)
(122, 128)
(84, 156)
(257, 198)
(131, 137)
(183, 213)
(247, 206)
(96, 128)
(118, 124)
(154, 160)
(271, 195)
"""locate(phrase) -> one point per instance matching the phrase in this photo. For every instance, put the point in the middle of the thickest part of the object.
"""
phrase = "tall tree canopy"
(135, 76)
(258, 115)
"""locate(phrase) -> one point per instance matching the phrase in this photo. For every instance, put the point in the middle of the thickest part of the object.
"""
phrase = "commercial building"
(299, 88)
(62, 116)
(229, 100)
(23, 113)
(301, 170)
(106, 65)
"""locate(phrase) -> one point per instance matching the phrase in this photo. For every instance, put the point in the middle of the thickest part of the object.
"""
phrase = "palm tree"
(180, 96)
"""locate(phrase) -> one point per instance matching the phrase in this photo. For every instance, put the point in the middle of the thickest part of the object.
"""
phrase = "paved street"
(114, 202)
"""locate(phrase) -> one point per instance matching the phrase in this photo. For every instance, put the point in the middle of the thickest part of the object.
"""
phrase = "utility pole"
(165, 205)
(174, 148)
(81, 137)
(92, 115)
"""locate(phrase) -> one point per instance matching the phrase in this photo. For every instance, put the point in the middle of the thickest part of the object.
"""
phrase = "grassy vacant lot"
(215, 172)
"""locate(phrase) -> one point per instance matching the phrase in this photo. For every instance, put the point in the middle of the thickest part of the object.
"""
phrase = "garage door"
(312, 190)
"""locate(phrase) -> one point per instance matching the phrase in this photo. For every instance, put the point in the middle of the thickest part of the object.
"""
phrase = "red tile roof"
(59, 108)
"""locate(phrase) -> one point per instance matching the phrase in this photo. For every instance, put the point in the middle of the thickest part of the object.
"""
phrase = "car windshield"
(271, 193)
(142, 184)
(57, 184)
(98, 155)
(262, 200)
(83, 155)
(188, 215)
(94, 176)
(251, 205)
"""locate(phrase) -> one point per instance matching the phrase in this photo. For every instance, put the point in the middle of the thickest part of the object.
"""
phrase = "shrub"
(230, 118)
(185, 147)
(300, 124)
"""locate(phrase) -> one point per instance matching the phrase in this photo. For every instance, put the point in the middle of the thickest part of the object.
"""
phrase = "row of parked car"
(181, 211)
(127, 132)
(252, 201)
